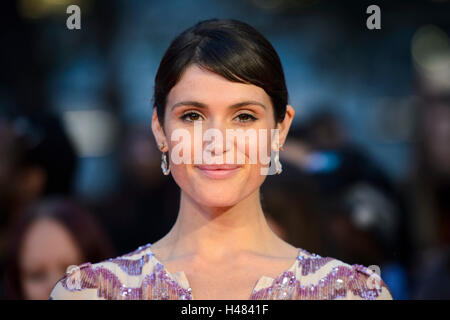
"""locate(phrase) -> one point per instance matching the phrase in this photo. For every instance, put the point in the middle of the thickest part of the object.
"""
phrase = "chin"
(212, 191)
(217, 198)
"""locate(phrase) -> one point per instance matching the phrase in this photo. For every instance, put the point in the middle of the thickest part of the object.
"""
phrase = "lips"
(218, 171)
(218, 166)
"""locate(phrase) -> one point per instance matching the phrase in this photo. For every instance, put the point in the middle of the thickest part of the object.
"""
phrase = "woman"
(52, 235)
(221, 75)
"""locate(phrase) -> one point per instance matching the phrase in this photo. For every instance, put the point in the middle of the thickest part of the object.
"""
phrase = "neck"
(217, 233)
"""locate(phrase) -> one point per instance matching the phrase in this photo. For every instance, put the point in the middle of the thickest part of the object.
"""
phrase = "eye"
(191, 116)
(246, 117)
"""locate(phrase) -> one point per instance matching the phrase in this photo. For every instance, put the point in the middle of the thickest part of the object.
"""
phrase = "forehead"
(46, 240)
(212, 89)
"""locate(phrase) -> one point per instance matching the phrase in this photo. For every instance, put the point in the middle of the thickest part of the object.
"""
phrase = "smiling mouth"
(218, 171)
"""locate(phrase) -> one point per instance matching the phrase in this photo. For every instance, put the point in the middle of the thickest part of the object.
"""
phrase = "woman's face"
(204, 98)
(48, 249)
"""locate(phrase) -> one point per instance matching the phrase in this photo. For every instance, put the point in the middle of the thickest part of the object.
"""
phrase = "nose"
(218, 145)
(216, 142)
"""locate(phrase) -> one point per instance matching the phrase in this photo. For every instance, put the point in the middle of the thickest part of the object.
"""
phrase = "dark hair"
(39, 139)
(227, 47)
(83, 227)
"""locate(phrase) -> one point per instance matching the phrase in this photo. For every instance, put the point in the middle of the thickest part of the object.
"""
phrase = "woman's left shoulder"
(346, 281)
(360, 282)
(368, 284)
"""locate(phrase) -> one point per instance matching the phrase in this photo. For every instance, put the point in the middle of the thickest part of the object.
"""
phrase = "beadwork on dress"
(336, 280)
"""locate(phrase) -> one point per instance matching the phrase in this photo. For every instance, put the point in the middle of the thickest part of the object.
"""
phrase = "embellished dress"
(139, 275)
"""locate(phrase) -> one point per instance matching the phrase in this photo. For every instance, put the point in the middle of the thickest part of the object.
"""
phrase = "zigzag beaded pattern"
(335, 284)
(156, 286)
(132, 267)
(159, 285)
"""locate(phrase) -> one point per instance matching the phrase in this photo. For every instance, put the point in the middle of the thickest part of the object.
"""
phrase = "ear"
(284, 125)
(158, 132)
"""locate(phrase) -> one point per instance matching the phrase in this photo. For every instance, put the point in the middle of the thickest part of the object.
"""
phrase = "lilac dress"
(139, 275)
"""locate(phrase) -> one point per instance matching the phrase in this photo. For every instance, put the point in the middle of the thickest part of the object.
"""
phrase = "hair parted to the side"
(230, 48)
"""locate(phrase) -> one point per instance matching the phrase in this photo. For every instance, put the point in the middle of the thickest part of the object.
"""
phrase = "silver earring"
(164, 163)
(276, 158)
(278, 166)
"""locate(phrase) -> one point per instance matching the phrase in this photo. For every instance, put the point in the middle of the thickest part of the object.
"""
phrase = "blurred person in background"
(149, 201)
(351, 198)
(51, 235)
(427, 194)
(289, 203)
(290, 200)
(37, 159)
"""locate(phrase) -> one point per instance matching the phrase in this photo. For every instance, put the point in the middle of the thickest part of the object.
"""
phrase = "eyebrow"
(204, 106)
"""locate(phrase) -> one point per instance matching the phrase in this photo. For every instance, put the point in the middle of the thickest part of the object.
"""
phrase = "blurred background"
(366, 166)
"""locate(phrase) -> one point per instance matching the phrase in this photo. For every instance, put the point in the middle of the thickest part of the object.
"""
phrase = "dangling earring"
(278, 166)
(164, 163)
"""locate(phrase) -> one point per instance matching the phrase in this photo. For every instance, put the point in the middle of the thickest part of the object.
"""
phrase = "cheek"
(181, 157)
(257, 148)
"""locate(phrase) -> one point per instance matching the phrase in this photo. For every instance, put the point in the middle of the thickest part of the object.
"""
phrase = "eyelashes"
(188, 116)
(194, 116)
(250, 118)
